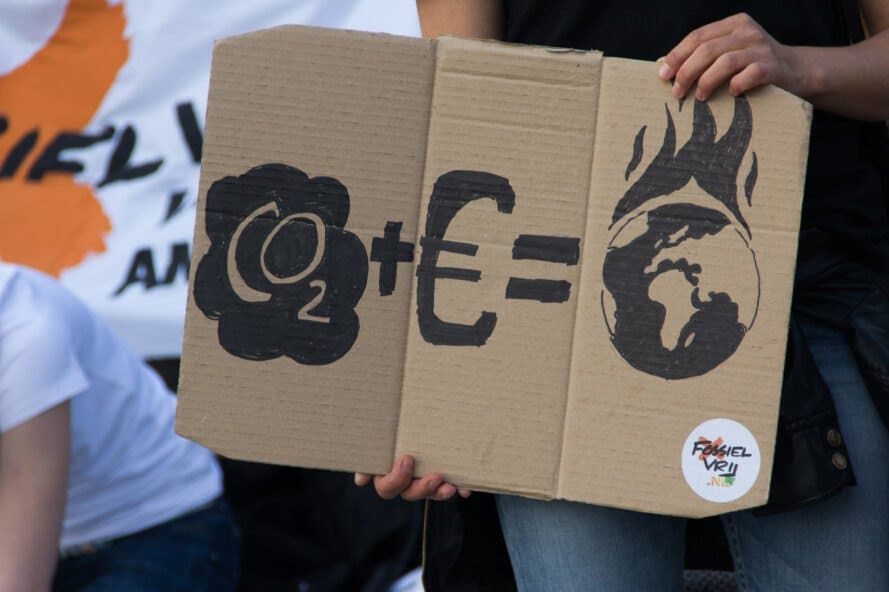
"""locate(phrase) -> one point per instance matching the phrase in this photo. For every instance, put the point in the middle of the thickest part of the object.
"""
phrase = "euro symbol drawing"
(451, 192)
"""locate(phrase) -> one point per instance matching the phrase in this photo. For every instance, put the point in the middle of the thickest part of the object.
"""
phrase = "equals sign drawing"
(552, 249)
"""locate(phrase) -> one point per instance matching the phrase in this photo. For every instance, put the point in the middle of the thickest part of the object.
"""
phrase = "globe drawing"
(681, 288)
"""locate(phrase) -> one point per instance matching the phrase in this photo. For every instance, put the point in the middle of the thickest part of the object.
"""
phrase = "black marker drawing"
(282, 275)
(552, 249)
(547, 291)
(652, 240)
(389, 251)
(637, 153)
(451, 192)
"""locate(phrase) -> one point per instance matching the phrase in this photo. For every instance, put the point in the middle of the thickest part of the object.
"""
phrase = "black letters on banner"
(180, 261)
(174, 205)
(191, 130)
(119, 167)
(50, 161)
(141, 272)
(18, 154)
(142, 269)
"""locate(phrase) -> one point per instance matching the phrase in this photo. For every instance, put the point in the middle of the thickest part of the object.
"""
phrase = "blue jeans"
(841, 543)
(198, 552)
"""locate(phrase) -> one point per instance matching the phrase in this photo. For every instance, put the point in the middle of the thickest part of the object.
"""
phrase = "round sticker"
(720, 460)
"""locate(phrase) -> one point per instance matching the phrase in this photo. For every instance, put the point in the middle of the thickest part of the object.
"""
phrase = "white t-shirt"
(128, 471)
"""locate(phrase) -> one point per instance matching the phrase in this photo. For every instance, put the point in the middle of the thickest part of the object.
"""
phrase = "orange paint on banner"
(54, 223)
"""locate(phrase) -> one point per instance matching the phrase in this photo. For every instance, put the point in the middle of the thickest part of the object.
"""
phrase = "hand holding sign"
(735, 50)
(400, 482)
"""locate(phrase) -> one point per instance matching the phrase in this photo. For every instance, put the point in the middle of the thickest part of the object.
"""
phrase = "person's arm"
(34, 460)
(851, 80)
(478, 19)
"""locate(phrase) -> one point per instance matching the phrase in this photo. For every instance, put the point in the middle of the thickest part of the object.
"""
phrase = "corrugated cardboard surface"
(350, 106)
(554, 400)
(624, 428)
(526, 114)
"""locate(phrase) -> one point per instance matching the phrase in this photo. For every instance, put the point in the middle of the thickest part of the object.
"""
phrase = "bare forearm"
(478, 19)
(33, 485)
(23, 568)
(851, 81)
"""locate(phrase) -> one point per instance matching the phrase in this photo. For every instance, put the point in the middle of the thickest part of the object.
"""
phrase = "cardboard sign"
(533, 269)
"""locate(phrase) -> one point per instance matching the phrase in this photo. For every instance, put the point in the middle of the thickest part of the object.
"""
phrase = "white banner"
(101, 117)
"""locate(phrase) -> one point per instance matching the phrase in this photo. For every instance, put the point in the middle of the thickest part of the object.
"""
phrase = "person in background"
(102, 108)
(840, 299)
(97, 492)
